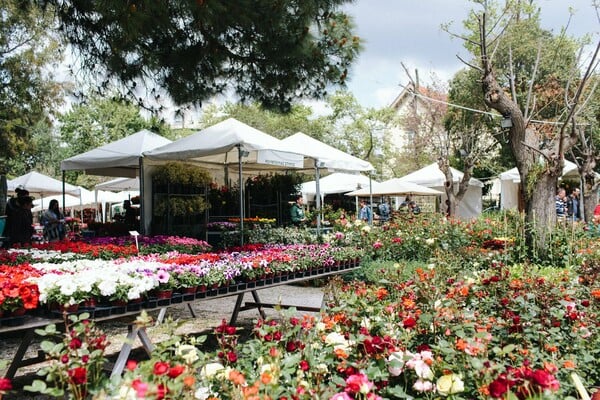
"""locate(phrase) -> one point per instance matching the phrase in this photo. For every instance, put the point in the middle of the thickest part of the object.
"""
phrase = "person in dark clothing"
(19, 219)
(130, 214)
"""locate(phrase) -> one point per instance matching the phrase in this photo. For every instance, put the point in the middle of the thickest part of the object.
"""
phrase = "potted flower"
(166, 284)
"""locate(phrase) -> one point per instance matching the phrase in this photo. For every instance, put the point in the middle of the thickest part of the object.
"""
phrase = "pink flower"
(358, 383)
(341, 396)
(162, 276)
(423, 386)
(377, 245)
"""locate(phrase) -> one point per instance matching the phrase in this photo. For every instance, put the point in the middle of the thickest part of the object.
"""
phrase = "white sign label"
(280, 158)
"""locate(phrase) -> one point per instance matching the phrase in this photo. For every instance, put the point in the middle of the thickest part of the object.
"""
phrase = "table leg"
(125, 351)
(161, 316)
(236, 309)
(257, 301)
(189, 305)
(16, 362)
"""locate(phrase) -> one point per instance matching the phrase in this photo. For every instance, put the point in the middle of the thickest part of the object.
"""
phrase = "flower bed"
(109, 273)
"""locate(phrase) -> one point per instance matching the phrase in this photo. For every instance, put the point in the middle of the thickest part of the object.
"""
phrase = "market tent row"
(121, 158)
(432, 177)
(229, 144)
(42, 185)
(234, 145)
(86, 199)
(337, 182)
(510, 181)
(395, 187)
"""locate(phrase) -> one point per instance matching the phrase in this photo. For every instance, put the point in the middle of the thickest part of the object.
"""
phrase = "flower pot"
(189, 290)
(68, 308)
(119, 303)
(89, 303)
(164, 294)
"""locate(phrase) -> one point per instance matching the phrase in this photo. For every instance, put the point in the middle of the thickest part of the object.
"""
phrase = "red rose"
(545, 379)
(232, 357)
(161, 391)
(498, 387)
(75, 344)
(160, 368)
(64, 358)
(304, 366)
(5, 384)
(409, 322)
(131, 365)
(175, 371)
(78, 375)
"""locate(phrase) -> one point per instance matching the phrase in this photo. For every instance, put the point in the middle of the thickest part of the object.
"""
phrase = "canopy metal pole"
(318, 199)
(370, 199)
(142, 226)
(63, 193)
(241, 185)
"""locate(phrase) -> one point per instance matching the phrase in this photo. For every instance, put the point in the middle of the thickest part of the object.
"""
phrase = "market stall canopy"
(432, 176)
(222, 144)
(395, 187)
(119, 158)
(569, 171)
(338, 182)
(43, 185)
(120, 184)
(325, 155)
(87, 199)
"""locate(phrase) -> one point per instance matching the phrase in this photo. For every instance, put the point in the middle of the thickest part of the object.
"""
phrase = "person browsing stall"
(297, 212)
(53, 222)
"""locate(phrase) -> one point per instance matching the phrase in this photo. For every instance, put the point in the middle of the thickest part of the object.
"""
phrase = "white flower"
(396, 363)
(211, 370)
(338, 341)
(188, 352)
(126, 392)
(366, 228)
(430, 241)
(450, 384)
(423, 386)
(202, 393)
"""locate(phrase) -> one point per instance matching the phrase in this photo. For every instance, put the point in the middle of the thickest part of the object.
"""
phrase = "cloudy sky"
(409, 32)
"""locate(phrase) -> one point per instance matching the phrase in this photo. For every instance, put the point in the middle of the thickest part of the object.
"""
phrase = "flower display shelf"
(12, 321)
(177, 298)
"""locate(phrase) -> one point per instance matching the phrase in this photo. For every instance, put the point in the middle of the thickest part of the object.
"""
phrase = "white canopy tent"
(121, 158)
(86, 199)
(338, 182)
(323, 156)
(229, 143)
(469, 207)
(395, 187)
(42, 185)
(120, 184)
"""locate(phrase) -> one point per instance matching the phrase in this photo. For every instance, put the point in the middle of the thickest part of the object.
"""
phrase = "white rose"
(450, 384)
(211, 369)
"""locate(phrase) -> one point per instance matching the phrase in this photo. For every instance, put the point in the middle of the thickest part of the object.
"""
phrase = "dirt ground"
(209, 314)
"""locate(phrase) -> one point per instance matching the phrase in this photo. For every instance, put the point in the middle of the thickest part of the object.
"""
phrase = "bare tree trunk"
(590, 195)
(3, 194)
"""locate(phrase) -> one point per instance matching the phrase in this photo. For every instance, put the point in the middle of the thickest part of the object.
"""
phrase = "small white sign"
(280, 158)
(134, 233)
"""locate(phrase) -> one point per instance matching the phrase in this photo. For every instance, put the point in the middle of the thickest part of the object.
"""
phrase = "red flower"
(131, 365)
(75, 344)
(161, 391)
(232, 357)
(499, 387)
(175, 371)
(304, 366)
(409, 322)
(5, 384)
(160, 368)
(545, 379)
(64, 359)
(78, 375)
(140, 388)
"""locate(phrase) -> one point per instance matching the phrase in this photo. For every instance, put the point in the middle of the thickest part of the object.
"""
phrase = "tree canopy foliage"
(270, 51)
(27, 91)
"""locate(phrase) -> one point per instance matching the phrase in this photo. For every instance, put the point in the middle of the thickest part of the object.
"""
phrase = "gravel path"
(209, 314)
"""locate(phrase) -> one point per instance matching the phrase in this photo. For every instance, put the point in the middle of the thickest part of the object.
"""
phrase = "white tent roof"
(118, 158)
(327, 156)
(218, 145)
(120, 184)
(395, 187)
(431, 176)
(88, 198)
(569, 169)
(337, 182)
(41, 184)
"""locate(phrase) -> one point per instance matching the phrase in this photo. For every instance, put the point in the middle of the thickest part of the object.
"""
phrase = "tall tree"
(27, 91)
(531, 77)
(270, 51)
